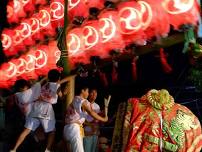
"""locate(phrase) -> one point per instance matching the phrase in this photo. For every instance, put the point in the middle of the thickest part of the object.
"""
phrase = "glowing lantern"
(95, 3)
(92, 36)
(15, 11)
(152, 16)
(35, 27)
(40, 2)
(110, 35)
(41, 60)
(75, 46)
(26, 32)
(10, 71)
(18, 39)
(181, 12)
(7, 42)
(20, 64)
(30, 64)
(28, 5)
(57, 13)
(53, 54)
(130, 22)
(74, 6)
(45, 22)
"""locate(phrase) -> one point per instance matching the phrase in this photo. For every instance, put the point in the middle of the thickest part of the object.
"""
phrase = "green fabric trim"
(189, 36)
(166, 145)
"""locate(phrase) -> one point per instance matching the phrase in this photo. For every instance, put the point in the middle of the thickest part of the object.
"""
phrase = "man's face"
(85, 93)
(92, 95)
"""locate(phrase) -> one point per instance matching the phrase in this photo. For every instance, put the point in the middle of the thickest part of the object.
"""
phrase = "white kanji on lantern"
(134, 17)
(56, 11)
(30, 63)
(91, 38)
(35, 25)
(72, 4)
(21, 66)
(145, 8)
(6, 41)
(45, 18)
(40, 59)
(26, 30)
(74, 43)
(177, 6)
(11, 70)
(109, 25)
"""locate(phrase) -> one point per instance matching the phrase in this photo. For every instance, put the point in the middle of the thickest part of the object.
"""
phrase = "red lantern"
(152, 16)
(41, 60)
(35, 27)
(110, 35)
(95, 3)
(57, 13)
(181, 12)
(45, 22)
(10, 72)
(18, 39)
(26, 32)
(28, 5)
(7, 42)
(30, 65)
(15, 11)
(130, 22)
(75, 46)
(92, 36)
(74, 6)
(53, 54)
(40, 2)
(20, 64)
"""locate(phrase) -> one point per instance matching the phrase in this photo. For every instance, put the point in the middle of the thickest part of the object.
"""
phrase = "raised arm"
(94, 114)
(66, 79)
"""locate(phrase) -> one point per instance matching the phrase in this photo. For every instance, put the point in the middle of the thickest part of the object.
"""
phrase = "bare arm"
(66, 79)
(94, 114)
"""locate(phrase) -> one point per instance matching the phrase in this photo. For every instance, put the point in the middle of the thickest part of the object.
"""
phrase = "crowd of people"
(82, 116)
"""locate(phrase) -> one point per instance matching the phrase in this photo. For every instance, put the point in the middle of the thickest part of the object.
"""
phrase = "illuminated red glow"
(36, 62)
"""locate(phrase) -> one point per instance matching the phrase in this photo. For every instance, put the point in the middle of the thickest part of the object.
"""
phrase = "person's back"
(43, 106)
(26, 96)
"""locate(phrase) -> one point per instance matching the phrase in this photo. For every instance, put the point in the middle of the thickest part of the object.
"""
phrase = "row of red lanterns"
(133, 22)
(38, 61)
(35, 28)
(17, 9)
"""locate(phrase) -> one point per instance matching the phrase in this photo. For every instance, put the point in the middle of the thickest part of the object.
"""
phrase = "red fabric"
(166, 67)
(145, 123)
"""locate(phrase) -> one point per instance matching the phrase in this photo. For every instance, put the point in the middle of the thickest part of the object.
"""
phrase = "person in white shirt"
(91, 125)
(37, 105)
(76, 114)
